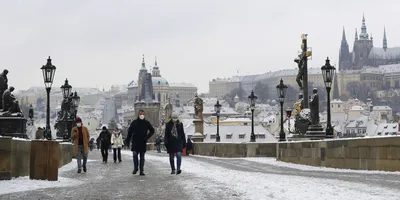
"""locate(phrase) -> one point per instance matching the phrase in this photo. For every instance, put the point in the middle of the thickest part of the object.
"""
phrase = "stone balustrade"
(16, 156)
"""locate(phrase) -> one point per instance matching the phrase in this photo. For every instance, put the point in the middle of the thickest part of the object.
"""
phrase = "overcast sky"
(96, 43)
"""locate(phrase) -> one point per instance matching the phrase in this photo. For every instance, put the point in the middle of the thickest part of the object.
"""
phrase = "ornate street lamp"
(217, 108)
(66, 90)
(48, 71)
(75, 101)
(328, 72)
(31, 114)
(288, 115)
(252, 101)
(281, 90)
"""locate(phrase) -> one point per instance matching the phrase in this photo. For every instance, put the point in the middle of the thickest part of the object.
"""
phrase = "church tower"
(362, 46)
(156, 69)
(344, 54)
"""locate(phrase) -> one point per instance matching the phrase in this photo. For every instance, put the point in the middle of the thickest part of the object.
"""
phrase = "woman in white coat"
(117, 143)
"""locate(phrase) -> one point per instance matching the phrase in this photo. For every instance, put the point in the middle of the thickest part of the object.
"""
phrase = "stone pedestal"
(315, 132)
(198, 126)
(44, 161)
(13, 126)
(197, 137)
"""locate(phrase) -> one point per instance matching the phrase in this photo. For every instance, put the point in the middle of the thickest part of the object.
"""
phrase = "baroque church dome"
(159, 81)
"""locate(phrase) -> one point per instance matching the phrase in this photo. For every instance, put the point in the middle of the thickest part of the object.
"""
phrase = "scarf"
(174, 131)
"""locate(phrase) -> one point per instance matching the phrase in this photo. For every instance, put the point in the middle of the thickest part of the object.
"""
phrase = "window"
(241, 136)
(261, 136)
(88, 123)
(229, 136)
(213, 136)
(338, 106)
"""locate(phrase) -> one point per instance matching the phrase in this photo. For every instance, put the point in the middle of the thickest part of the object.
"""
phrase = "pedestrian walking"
(139, 132)
(80, 135)
(189, 146)
(175, 141)
(91, 144)
(117, 143)
(158, 144)
(105, 141)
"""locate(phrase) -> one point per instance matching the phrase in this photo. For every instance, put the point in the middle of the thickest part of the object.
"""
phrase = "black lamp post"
(281, 90)
(48, 71)
(217, 108)
(328, 72)
(252, 99)
(288, 115)
(31, 115)
(75, 101)
(66, 90)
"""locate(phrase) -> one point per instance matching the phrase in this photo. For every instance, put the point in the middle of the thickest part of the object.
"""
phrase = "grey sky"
(96, 43)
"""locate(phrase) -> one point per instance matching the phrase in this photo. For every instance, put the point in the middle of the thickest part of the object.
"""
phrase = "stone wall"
(235, 149)
(15, 155)
(365, 153)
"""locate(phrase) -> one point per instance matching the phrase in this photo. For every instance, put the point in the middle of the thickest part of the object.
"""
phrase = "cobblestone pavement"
(115, 180)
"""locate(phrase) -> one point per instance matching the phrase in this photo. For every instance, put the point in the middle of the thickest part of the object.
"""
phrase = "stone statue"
(198, 107)
(300, 74)
(314, 108)
(10, 105)
(168, 111)
(3, 86)
(299, 105)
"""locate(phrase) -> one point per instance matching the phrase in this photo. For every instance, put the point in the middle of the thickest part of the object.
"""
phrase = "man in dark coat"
(158, 144)
(139, 132)
(175, 141)
(105, 140)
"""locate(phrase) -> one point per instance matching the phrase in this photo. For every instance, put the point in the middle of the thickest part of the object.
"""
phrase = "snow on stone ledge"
(22, 184)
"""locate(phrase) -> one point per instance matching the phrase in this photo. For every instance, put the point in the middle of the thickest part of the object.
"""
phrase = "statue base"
(301, 126)
(315, 132)
(13, 126)
(197, 137)
(198, 126)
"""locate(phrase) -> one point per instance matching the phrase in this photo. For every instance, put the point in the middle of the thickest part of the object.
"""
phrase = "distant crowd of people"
(140, 130)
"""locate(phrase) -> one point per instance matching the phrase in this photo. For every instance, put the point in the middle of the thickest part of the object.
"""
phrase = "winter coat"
(105, 138)
(174, 143)
(189, 144)
(139, 132)
(116, 140)
(86, 136)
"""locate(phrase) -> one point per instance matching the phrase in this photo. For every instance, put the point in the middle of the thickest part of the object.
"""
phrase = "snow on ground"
(25, 184)
(272, 161)
(251, 185)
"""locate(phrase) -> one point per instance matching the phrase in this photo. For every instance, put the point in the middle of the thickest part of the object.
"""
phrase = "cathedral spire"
(156, 70)
(155, 61)
(143, 65)
(356, 36)
(363, 34)
(384, 39)
(344, 36)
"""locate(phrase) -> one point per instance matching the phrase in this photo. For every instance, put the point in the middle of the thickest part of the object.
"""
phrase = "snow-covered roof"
(188, 85)
(387, 129)
(233, 132)
(388, 69)
(361, 122)
(132, 84)
(356, 108)
(336, 101)
(380, 53)
(384, 108)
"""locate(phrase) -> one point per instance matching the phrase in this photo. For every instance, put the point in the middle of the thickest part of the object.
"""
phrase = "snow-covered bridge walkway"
(205, 178)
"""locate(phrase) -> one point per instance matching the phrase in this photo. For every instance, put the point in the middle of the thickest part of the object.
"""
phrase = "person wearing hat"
(139, 132)
(105, 140)
(174, 141)
(117, 143)
(80, 136)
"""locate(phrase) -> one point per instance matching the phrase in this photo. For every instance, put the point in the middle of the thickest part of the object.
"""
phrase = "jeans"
(115, 154)
(136, 161)
(178, 160)
(104, 152)
(158, 148)
(81, 152)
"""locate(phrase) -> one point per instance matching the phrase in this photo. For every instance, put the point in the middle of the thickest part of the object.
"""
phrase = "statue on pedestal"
(3, 86)
(314, 108)
(10, 105)
(198, 107)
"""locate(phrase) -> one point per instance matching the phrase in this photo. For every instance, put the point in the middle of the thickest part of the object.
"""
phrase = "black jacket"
(174, 143)
(105, 138)
(139, 132)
